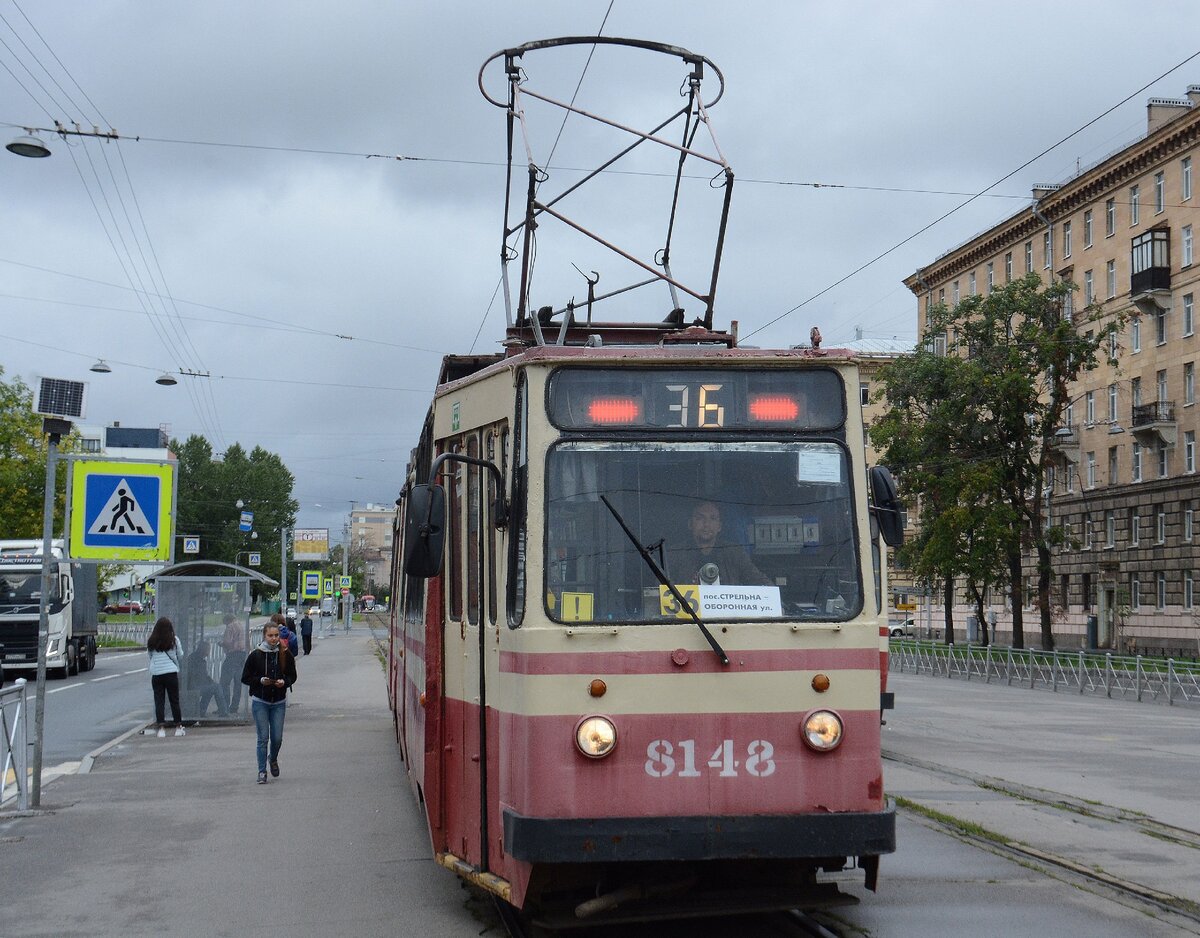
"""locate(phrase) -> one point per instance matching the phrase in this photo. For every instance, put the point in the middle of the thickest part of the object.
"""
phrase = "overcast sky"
(268, 253)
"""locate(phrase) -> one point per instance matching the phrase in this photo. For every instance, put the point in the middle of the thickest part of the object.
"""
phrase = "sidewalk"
(174, 837)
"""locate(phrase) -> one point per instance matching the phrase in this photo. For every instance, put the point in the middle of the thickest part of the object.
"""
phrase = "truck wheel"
(87, 657)
(72, 665)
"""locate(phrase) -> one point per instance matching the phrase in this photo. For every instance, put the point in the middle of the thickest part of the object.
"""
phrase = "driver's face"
(705, 525)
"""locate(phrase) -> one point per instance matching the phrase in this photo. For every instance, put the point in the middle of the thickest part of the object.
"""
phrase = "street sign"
(345, 583)
(121, 510)
(310, 544)
(255, 559)
(246, 522)
(191, 545)
(328, 586)
(310, 584)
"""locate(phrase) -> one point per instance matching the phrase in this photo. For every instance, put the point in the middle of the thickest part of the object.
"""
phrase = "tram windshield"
(744, 530)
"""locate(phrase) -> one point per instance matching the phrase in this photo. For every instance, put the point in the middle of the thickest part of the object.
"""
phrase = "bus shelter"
(209, 604)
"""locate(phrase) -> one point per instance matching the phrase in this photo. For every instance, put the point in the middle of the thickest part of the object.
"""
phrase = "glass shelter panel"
(751, 530)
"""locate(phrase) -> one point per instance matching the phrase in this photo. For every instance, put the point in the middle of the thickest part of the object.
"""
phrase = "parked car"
(903, 629)
(131, 605)
(290, 612)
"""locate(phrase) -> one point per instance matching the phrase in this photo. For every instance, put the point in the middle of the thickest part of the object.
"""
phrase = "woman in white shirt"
(165, 654)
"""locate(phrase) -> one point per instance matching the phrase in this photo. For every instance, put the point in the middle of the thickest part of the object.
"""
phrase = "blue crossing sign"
(121, 510)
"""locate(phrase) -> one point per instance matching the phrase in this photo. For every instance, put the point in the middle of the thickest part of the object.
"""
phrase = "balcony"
(1065, 443)
(1150, 263)
(1155, 421)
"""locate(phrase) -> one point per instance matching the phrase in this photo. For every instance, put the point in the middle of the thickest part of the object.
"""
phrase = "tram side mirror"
(885, 505)
(424, 531)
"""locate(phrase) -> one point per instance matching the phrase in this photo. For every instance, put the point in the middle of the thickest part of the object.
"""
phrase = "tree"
(209, 490)
(987, 416)
(23, 449)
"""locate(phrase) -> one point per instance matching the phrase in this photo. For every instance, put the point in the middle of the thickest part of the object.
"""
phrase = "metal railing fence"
(127, 631)
(1121, 677)
(14, 748)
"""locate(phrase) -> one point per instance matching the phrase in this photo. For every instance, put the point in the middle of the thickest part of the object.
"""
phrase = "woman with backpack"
(268, 672)
(165, 654)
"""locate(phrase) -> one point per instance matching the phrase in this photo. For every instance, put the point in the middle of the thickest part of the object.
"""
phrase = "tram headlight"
(822, 730)
(595, 737)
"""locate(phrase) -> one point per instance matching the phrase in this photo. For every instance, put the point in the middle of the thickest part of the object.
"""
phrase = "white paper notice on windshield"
(820, 466)
(721, 602)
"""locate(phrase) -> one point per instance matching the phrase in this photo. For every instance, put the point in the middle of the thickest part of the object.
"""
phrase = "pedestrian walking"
(233, 643)
(268, 673)
(306, 629)
(165, 654)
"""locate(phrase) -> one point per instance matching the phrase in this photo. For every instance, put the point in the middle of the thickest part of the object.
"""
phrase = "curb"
(86, 765)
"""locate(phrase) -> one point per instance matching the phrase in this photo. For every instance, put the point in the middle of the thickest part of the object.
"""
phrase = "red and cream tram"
(639, 619)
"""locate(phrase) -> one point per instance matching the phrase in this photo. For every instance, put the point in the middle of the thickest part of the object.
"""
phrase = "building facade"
(1125, 485)
(370, 530)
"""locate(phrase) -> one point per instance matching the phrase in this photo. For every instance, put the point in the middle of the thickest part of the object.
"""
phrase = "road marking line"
(65, 687)
(137, 671)
(97, 680)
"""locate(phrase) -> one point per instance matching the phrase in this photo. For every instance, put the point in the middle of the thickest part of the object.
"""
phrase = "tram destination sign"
(695, 399)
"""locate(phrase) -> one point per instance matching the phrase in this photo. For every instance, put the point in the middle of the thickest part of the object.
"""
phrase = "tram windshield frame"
(748, 530)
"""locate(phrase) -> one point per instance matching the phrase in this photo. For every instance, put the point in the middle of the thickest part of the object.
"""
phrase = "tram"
(639, 620)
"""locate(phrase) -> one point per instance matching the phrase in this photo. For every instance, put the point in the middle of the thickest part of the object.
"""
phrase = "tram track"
(1183, 912)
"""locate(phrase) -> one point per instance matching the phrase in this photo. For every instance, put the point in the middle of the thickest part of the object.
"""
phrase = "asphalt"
(175, 837)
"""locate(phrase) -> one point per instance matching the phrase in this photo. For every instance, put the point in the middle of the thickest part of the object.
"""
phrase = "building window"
(1162, 460)
(864, 394)
(1069, 481)
(1135, 391)
(991, 276)
(1110, 528)
(939, 345)
(1089, 291)
(1135, 334)
(1048, 250)
(1008, 267)
(1135, 205)
(972, 283)
(954, 293)
(1161, 590)
(1135, 528)
(1189, 451)
(1135, 592)
(1188, 321)
(1160, 526)
(1188, 587)
(1066, 239)
(1110, 273)
(91, 445)
(1110, 217)
(1087, 228)
(1089, 409)
(1161, 377)
(1112, 346)
(1185, 183)
(942, 296)
(1135, 473)
(1028, 257)
(1112, 403)
(1160, 193)
(1189, 383)
(1087, 591)
(1187, 523)
(1187, 245)
(1087, 532)
(1160, 326)
(1091, 470)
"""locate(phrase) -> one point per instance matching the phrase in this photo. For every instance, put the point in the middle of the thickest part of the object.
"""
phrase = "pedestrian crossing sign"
(121, 510)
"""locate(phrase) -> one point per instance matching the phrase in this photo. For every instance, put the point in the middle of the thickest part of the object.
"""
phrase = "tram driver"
(710, 560)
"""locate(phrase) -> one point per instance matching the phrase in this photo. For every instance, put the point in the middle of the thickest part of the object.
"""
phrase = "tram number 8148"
(664, 759)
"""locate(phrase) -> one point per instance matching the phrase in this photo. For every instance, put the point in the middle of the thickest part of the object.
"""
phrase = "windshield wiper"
(665, 581)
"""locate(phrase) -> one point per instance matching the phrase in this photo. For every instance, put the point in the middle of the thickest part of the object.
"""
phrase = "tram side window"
(490, 525)
(453, 472)
(474, 533)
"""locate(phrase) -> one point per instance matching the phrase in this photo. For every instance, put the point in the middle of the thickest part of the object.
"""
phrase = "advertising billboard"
(310, 544)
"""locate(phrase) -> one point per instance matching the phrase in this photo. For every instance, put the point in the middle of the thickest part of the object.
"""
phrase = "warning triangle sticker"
(121, 514)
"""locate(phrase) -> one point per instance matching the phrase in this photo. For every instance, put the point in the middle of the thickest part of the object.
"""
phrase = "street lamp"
(28, 145)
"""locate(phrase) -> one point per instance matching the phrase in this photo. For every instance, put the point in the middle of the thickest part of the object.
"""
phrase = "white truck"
(73, 610)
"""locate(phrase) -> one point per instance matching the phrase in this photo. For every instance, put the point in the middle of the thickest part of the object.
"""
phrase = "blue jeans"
(268, 721)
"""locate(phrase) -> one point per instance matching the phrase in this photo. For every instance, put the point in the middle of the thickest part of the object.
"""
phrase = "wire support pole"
(39, 706)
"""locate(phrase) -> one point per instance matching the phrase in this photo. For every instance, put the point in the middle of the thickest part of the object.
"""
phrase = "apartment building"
(370, 529)
(1125, 484)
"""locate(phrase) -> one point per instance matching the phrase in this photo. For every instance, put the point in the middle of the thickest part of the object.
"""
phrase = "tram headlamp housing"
(822, 730)
(595, 737)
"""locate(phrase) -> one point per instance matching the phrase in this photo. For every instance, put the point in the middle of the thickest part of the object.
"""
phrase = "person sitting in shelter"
(201, 683)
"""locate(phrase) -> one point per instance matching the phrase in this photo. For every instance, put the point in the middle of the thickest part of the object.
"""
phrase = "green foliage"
(970, 433)
(209, 489)
(23, 449)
